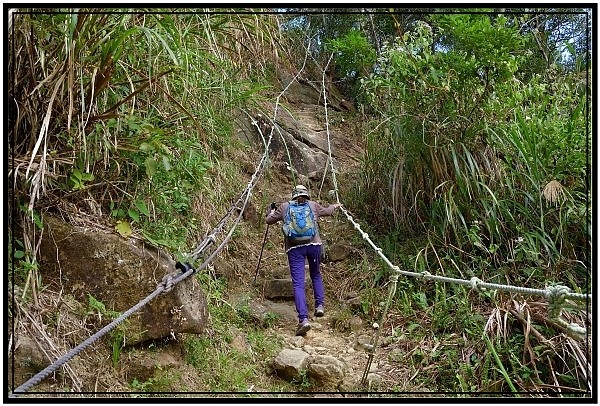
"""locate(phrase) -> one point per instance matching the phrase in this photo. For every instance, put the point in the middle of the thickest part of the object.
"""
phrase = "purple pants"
(296, 258)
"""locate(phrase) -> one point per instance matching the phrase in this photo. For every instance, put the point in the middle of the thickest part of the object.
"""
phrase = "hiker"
(302, 242)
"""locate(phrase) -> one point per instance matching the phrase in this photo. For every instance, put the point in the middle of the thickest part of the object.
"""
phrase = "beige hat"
(300, 190)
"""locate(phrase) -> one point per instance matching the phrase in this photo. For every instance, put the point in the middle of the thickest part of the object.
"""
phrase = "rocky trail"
(335, 350)
(329, 360)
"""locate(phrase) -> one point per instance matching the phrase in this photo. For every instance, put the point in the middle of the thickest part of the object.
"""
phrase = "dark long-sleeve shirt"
(318, 211)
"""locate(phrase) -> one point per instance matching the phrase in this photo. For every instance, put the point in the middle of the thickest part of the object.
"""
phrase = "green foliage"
(430, 100)
(117, 335)
(152, 96)
(499, 364)
(271, 319)
(492, 45)
(161, 383)
(78, 179)
(117, 344)
(355, 56)
(20, 262)
(340, 319)
(171, 175)
(263, 342)
(225, 367)
(488, 164)
(34, 215)
(544, 156)
(303, 381)
(97, 307)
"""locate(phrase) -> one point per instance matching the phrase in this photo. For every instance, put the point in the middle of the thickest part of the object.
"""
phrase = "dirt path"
(340, 333)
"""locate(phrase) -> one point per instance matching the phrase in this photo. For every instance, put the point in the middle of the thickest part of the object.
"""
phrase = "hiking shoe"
(320, 311)
(303, 327)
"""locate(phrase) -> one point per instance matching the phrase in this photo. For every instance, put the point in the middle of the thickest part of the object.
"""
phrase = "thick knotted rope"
(476, 284)
(167, 282)
(557, 297)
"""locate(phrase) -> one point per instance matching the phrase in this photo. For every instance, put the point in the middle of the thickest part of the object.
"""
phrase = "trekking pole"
(263, 247)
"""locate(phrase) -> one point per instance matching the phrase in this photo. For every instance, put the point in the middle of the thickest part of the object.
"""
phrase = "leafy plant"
(79, 178)
(271, 319)
(303, 380)
(354, 56)
(117, 335)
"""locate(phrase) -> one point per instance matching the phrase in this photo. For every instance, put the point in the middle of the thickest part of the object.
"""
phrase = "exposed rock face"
(284, 288)
(120, 273)
(27, 360)
(294, 142)
(338, 252)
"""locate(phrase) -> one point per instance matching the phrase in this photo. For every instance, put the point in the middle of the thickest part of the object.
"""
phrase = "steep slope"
(345, 332)
(171, 368)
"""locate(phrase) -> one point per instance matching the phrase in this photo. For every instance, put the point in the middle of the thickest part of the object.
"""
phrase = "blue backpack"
(299, 222)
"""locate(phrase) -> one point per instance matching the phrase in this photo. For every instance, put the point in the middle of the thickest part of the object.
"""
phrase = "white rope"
(170, 280)
(556, 295)
(330, 158)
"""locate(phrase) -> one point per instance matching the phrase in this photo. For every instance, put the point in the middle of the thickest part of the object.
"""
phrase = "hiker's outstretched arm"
(327, 211)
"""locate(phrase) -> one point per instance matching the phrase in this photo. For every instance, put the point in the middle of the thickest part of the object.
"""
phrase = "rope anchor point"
(476, 284)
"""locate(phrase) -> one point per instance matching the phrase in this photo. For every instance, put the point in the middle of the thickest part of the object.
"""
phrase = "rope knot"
(475, 281)
(424, 274)
(556, 295)
(394, 278)
(167, 283)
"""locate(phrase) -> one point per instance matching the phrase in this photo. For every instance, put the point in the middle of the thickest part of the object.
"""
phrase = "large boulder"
(289, 364)
(119, 273)
(327, 370)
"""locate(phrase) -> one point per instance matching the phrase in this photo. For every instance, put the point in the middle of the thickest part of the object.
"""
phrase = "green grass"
(220, 365)
(163, 382)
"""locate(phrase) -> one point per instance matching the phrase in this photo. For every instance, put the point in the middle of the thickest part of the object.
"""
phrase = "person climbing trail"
(302, 242)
